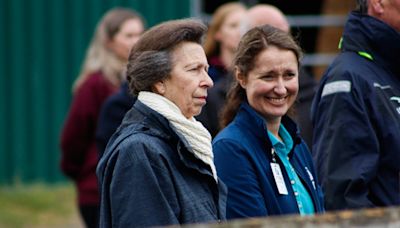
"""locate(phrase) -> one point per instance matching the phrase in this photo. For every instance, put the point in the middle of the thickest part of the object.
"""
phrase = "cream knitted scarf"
(192, 132)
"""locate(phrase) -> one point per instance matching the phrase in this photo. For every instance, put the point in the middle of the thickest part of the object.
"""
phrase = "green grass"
(38, 205)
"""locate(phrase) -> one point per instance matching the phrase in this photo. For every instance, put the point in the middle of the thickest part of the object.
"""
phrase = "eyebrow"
(196, 64)
(263, 72)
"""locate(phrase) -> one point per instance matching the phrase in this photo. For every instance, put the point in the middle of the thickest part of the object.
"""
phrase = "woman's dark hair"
(251, 45)
(362, 6)
(150, 59)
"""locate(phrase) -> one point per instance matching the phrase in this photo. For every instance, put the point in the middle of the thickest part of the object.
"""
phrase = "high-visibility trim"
(366, 55)
(340, 43)
(341, 86)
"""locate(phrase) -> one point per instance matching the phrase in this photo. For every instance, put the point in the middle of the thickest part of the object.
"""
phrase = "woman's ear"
(240, 77)
(159, 88)
(376, 6)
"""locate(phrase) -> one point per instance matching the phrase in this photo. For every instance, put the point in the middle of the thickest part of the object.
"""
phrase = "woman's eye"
(267, 77)
(290, 75)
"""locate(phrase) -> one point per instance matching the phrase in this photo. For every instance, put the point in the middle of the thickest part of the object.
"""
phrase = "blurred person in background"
(260, 154)
(265, 14)
(223, 36)
(158, 166)
(101, 75)
(356, 112)
(222, 39)
(112, 112)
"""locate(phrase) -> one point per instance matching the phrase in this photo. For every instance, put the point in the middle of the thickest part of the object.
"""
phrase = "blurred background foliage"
(38, 205)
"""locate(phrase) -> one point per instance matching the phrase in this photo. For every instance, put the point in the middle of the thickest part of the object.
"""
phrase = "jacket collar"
(157, 125)
(149, 120)
(256, 124)
(367, 34)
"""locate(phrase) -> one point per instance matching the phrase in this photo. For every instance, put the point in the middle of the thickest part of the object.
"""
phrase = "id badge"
(279, 180)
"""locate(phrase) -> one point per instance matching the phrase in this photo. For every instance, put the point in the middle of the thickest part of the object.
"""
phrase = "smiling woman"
(272, 86)
(158, 167)
(259, 155)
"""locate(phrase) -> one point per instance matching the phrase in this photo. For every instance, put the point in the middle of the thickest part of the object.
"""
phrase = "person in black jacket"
(112, 112)
(356, 112)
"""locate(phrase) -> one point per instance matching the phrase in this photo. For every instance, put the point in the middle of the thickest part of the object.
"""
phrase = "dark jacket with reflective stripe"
(356, 117)
(148, 177)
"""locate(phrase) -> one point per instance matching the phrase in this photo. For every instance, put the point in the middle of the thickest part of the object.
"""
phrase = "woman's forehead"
(189, 53)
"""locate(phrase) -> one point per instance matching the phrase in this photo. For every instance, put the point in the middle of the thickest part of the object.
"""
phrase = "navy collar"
(151, 121)
(370, 35)
(157, 125)
(256, 124)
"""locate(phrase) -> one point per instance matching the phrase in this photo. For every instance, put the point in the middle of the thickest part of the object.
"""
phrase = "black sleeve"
(346, 148)
(111, 115)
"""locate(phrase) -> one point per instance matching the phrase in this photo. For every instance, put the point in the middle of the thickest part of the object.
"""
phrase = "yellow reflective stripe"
(340, 43)
(366, 55)
(361, 53)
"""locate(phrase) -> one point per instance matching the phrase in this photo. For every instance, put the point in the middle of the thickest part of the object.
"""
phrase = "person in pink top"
(101, 75)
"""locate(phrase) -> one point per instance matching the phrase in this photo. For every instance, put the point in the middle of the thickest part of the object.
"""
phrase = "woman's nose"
(280, 87)
(207, 80)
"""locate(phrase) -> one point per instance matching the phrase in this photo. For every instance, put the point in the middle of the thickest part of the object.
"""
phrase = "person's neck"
(226, 56)
(273, 127)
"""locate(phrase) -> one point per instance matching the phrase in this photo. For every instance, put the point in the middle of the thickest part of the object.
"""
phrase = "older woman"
(158, 167)
(259, 154)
